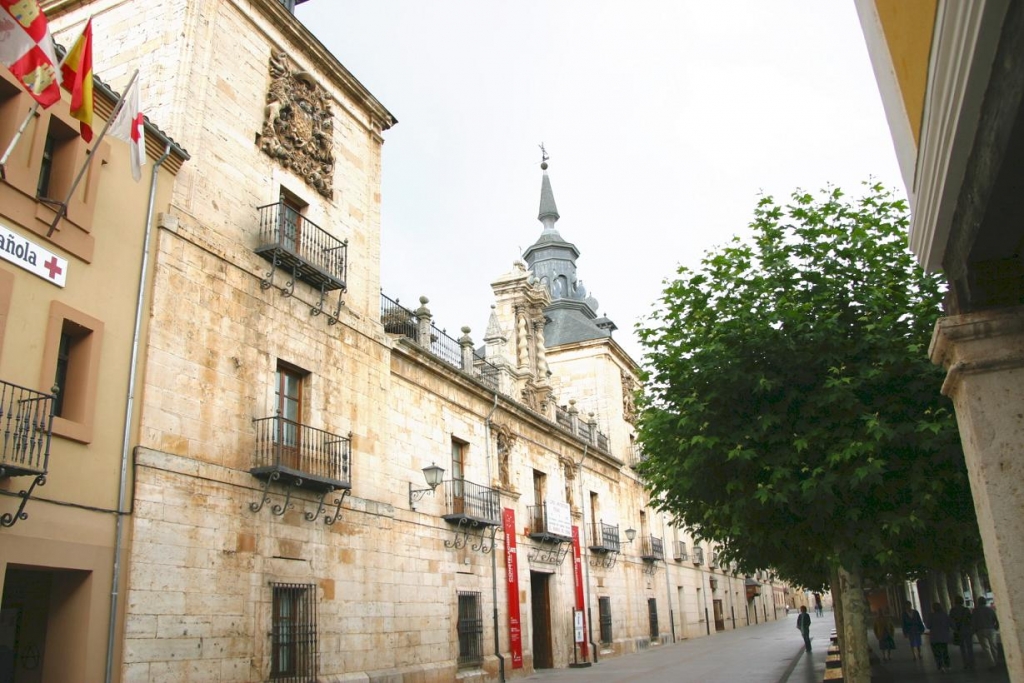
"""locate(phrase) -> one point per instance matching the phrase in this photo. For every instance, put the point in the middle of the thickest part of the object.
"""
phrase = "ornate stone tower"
(572, 314)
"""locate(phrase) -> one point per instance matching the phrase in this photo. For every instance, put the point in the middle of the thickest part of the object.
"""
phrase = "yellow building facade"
(71, 308)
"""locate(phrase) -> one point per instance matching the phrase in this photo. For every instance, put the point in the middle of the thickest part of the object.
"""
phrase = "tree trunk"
(837, 604)
(854, 641)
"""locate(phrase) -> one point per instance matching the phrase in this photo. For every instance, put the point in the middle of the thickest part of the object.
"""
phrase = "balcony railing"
(604, 538)
(712, 559)
(541, 527)
(299, 246)
(698, 556)
(301, 455)
(563, 418)
(680, 551)
(397, 319)
(466, 502)
(636, 454)
(651, 548)
(487, 372)
(26, 424)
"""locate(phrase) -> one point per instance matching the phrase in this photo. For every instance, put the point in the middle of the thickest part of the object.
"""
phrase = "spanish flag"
(76, 78)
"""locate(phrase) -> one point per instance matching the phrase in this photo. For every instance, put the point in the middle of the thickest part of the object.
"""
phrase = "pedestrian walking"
(818, 610)
(963, 633)
(885, 632)
(984, 623)
(913, 627)
(940, 632)
(803, 622)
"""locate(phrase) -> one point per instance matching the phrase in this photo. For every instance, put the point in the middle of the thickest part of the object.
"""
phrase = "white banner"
(559, 518)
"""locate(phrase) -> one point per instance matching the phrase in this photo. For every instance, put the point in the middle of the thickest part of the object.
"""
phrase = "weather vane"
(543, 153)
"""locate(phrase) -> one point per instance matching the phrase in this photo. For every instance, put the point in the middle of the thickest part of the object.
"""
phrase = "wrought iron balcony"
(301, 248)
(698, 555)
(712, 559)
(604, 538)
(472, 504)
(301, 455)
(543, 528)
(651, 548)
(636, 454)
(680, 551)
(26, 424)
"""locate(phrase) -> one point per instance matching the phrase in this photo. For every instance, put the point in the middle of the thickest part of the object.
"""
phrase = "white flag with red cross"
(128, 126)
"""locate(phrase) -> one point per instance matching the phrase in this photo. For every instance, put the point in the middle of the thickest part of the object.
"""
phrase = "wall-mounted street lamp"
(630, 534)
(433, 475)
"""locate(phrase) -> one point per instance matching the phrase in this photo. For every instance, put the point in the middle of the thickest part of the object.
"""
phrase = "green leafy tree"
(792, 412)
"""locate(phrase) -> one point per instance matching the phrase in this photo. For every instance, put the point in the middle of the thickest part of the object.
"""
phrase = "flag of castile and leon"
(26, 48)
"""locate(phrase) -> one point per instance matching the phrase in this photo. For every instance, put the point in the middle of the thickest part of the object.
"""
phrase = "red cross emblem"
(53, 268)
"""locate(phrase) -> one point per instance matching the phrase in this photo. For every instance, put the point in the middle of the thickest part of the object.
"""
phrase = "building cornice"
(963, 47)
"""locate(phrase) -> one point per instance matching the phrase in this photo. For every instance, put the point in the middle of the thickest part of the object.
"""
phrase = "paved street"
(754, 654)
(769, 653)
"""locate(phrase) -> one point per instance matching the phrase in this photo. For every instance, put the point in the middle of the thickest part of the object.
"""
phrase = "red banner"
(577, 562)
(515, 631)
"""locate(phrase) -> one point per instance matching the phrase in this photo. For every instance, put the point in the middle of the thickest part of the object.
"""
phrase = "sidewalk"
(809, 667)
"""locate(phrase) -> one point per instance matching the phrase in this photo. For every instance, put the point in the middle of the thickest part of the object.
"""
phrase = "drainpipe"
(129, 406)
(586, 557)
(668, 581)
(704, 592)
(494, 551)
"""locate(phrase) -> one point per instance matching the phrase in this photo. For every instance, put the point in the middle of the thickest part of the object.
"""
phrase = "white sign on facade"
(578, 625)
(559, 518)
(32, 257)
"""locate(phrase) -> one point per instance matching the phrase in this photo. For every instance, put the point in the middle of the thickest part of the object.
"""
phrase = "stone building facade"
(286, 525)
(71, 308)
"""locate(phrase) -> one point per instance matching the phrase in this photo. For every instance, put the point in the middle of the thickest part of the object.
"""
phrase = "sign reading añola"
(32, 257)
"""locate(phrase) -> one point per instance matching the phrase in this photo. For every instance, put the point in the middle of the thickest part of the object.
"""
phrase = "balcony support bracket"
(319, 308)
(461, 537)
(289, 287)
(329, 520)
(550, 552)
(606, 560)
(650, 568)
(310, 516)
(265, 495)
(279, 510)
(333, 319)
(268, 279)
(8, 520)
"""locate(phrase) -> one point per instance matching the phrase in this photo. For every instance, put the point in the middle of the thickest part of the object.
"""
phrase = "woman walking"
(940, 633)
(886, 634)
(913, 627)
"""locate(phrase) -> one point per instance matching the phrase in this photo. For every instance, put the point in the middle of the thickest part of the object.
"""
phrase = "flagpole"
(14, 142)
(63, 210)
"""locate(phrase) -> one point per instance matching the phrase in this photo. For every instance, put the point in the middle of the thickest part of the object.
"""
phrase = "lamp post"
(433, 474)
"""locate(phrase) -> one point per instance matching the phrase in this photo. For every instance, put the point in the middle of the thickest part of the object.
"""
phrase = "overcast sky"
(664, 119)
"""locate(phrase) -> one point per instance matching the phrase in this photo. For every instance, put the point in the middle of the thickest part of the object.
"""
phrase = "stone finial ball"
(424, 300)
(465, 330)
(543, 165)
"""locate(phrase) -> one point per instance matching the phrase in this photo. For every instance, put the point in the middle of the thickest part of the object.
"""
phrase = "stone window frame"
(79, 395)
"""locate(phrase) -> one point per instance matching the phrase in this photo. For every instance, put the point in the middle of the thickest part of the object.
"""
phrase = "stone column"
(423, 316)
(466, 343)
(977, 587)
(983, 354)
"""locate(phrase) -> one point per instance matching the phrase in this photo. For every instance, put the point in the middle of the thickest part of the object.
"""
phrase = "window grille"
(293, 642)
(471, 630)
(604, 610)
